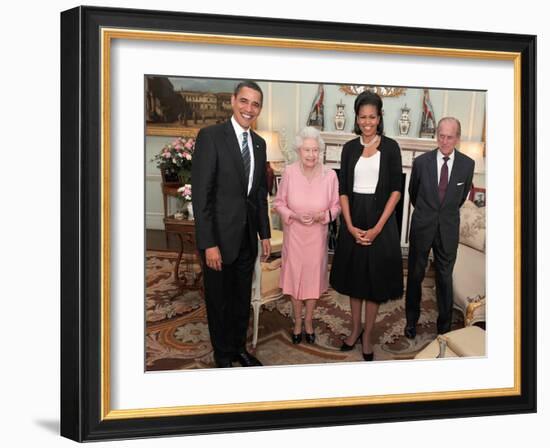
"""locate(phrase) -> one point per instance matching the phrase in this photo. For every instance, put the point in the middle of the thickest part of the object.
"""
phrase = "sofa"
(469, 271)
(468, 341)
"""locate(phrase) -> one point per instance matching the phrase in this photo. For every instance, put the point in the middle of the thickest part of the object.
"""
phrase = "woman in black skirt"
(367, 264)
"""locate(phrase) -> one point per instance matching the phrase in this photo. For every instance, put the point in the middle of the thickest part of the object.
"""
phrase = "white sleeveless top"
(366, 172)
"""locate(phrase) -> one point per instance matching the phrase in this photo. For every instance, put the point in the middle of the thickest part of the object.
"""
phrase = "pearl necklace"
(372, 142)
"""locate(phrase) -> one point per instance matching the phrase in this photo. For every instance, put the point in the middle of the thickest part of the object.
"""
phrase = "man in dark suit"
(440, 182)
(230, 207)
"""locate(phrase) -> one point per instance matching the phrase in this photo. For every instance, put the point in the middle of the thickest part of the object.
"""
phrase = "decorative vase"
(404, 121)
(340, 118)
(190, 215)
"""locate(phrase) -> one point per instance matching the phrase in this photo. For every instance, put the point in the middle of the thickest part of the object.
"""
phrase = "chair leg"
(165, 203)
(256, 310)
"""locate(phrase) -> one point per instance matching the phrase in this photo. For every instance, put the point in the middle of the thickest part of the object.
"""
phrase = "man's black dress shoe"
(410, 332)
(220, 364)
(346, 348)
(368, 356)
(296, 338)
(310, 338)
(245, 359)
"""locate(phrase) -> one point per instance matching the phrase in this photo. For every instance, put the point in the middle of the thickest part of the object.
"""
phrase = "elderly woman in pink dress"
(306, 201)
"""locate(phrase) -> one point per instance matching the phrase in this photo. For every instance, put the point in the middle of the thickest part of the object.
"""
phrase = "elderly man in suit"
(440, 182)
(230, 207)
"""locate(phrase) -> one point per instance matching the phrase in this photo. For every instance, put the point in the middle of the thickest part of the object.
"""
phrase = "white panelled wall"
(286, 109)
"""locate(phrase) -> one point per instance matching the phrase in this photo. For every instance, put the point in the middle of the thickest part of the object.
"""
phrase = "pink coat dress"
(304, 273)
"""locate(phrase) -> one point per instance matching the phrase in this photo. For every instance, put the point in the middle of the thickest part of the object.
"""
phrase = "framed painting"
(177, 106)
(107, 54)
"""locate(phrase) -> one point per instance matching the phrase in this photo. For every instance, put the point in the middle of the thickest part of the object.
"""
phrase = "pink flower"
(185, 191)
(188, 156)
(189, 144)
(166, 155)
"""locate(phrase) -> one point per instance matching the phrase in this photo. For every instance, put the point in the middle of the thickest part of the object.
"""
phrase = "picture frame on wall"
(333, 153)
(105, 391)
(477, 196)
(177, 106)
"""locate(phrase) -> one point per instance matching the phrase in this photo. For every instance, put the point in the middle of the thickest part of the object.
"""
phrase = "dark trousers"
(444, 262)
(228, 294)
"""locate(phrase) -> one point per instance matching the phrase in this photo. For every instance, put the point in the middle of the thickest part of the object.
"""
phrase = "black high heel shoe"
(368, 356)
(346, 348)
(297, 338)
(310, 337)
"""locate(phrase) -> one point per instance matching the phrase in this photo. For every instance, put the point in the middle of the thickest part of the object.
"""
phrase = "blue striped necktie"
(245, 152)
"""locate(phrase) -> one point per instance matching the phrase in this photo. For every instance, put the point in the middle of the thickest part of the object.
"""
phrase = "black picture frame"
(85, 413)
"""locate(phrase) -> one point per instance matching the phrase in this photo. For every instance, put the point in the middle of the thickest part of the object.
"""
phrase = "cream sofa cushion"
(472, 226)
(468, 341)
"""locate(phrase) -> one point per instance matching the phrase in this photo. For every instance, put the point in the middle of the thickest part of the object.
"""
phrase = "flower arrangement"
(175, 159)
(185, 195)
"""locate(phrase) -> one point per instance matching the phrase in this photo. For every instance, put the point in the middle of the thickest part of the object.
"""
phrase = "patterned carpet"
(177, 331)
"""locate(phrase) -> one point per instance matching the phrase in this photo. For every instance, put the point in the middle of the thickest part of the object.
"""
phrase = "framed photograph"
(107, 55)
(177, 328)
(333, 153)
(477, 196)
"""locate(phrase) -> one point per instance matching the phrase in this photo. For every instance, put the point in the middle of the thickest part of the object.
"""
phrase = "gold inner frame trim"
(300, 404)
(107, 35)
(517, 221)
(105, 225)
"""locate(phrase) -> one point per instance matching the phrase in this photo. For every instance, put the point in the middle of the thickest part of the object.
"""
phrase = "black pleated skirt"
(372, 272)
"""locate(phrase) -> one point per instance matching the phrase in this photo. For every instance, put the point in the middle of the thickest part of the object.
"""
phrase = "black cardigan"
(391, 170)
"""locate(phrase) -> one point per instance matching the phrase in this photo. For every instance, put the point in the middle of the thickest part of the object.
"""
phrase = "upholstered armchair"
(469, 270)
(265, 282)
(276, 234)
(265, 288)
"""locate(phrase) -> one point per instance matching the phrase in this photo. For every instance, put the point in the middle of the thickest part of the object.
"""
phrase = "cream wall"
(291, 106)
(287, 106)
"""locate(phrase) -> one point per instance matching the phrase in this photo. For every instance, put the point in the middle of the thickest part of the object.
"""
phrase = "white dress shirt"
(239, 130)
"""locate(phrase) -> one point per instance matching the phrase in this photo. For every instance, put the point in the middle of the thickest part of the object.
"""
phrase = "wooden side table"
(185, 231)
(168, 188)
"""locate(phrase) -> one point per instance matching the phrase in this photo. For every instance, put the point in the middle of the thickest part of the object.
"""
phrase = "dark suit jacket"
(221, 204)
(389, 177)
(429, 213)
